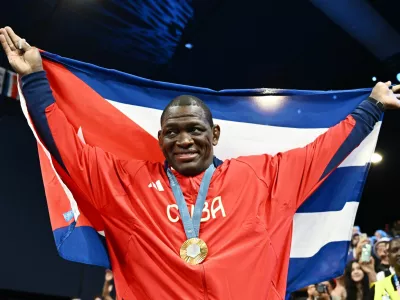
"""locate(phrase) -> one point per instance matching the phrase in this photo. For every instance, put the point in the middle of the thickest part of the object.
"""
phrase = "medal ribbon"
(191, 225)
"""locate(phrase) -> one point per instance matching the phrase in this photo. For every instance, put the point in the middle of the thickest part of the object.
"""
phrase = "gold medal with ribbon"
(194, 250)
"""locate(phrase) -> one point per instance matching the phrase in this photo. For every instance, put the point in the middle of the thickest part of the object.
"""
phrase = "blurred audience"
(370, 271)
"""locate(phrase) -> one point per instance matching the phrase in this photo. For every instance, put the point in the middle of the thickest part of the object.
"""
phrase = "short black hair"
(187, 100)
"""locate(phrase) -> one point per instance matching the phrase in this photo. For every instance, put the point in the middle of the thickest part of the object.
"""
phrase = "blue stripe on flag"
(302, 109)
(326, 264)
(83, 245)
(345, 183)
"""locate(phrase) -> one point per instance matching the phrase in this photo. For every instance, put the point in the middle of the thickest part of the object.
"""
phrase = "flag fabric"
(2, 77)
(120, 113)
(10, 86)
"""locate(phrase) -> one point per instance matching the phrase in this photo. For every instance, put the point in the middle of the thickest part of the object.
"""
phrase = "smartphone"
(322, 288)
(363, 237)
(366, 253)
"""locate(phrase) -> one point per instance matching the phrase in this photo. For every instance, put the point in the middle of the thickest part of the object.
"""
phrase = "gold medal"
(194, 251)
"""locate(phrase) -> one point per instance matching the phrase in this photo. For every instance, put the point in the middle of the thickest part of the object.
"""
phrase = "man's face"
(187, 139)
(394, 253)
(381, 250)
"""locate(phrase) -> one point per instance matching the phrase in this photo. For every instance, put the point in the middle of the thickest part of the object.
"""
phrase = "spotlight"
(376, 158)
(189, 46)
(374, 78)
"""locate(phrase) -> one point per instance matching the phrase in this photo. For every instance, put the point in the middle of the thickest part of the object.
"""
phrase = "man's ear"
(216, 131)
(159, 138)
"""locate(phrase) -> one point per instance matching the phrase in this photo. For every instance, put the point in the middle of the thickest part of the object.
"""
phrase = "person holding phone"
(358, 277)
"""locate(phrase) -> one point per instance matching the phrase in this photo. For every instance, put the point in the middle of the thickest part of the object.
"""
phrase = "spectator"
(352, 249)
(322, 291)
(357, 279)
(380, 234)
(396, 228)
(339, 289)
(108, 286)
(356, 229)
(381, 252)
(387, 288)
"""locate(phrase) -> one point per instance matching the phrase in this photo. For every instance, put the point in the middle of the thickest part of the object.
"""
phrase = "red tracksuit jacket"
(247, 218)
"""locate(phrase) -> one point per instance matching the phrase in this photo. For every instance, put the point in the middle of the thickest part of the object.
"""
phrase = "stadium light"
(398, 77)
(376, 158)
(271, 103)
(374, 78)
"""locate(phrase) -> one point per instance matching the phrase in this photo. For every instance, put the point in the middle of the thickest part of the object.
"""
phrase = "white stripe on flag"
(334, 226)
(254, 138)
(72, 201)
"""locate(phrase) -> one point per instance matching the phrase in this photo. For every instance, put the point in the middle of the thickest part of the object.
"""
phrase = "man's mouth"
(185, 156)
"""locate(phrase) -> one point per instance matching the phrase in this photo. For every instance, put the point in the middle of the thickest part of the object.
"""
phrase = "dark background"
(322, 45)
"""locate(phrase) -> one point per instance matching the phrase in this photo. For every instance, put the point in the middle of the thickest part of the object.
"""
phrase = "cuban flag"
(120, 113)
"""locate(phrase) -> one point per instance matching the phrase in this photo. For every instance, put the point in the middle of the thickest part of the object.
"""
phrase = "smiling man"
(235, 241)
(188, 135)
(389, 287)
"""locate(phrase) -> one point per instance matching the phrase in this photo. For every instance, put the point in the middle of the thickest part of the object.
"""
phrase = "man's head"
(380, 249)
(394, 253)
(188, 135)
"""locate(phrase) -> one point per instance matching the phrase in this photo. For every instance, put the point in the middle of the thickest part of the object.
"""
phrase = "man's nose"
(184, 140)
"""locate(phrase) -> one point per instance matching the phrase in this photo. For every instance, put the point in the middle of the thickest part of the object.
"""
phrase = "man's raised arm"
(318, 159)
(297, 173)
(88, 167)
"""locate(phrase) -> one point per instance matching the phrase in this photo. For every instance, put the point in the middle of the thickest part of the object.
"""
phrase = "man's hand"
(388, 97)
(368, 267)
(23, 58)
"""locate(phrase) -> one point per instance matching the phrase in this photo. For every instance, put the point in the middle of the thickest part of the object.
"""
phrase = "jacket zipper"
(204, 284)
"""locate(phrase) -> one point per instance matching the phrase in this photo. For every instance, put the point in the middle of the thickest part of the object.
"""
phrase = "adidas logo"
(157, 185)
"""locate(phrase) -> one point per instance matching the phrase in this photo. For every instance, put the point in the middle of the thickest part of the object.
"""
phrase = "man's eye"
(169, 133)
(196, 130)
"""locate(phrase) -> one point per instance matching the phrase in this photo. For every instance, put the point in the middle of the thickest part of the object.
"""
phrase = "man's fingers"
(4, 44)
(8, 39)
(14, 38)
(19, 43)
(396, 88)
(388, 83)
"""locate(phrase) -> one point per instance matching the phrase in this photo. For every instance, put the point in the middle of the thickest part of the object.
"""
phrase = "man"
(245, 206)
(383, 269)
(389, 287)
